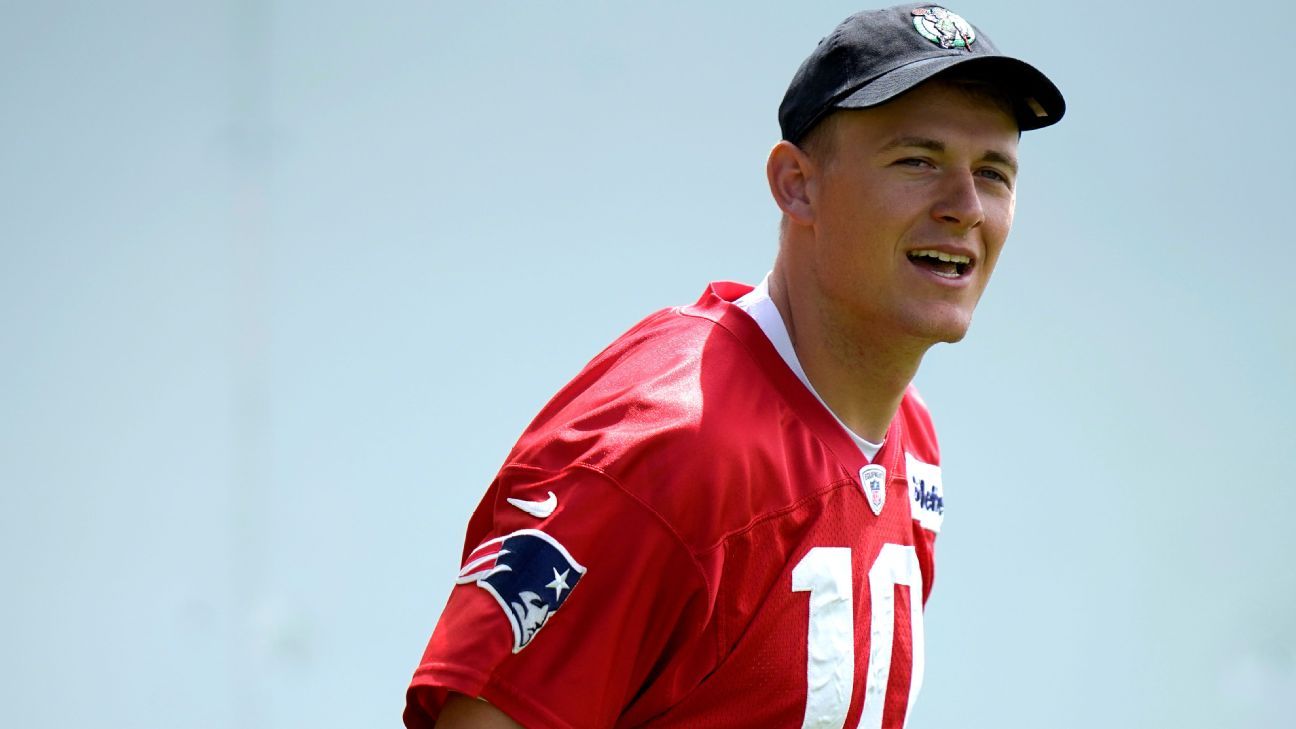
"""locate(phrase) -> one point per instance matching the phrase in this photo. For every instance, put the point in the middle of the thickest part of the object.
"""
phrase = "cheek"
(994, 235)
(998, 225)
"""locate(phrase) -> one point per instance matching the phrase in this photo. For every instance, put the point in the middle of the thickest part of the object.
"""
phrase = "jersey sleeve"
(573, 600)
(925, 483)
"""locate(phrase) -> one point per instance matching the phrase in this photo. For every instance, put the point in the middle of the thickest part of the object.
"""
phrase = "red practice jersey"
(686, 537)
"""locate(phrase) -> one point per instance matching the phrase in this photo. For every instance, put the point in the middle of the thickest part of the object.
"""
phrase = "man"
(727, 518)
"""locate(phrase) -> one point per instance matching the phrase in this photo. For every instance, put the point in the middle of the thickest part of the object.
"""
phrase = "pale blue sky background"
(281, 282)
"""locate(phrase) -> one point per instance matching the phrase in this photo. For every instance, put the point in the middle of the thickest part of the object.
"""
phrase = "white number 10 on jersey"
(825, 572)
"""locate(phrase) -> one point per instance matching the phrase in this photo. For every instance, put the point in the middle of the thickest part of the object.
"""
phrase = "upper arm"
(567, 619)
(461, 712)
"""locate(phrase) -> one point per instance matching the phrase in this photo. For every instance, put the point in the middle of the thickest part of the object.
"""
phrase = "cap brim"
(1036, 100)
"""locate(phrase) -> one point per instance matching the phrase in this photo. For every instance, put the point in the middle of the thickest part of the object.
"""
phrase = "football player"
(727, 518)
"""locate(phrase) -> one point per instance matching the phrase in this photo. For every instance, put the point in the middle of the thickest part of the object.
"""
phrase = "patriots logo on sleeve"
(529, 573)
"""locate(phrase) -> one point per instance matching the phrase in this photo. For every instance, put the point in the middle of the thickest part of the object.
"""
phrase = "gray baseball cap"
(876, 55)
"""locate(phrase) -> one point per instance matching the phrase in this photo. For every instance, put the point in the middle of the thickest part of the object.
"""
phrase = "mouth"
(945, 265)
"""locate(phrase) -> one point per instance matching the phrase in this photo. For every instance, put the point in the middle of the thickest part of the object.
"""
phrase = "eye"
(917, 162)
(993, 174)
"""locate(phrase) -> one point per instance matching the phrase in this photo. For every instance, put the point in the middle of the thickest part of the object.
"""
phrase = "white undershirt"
(760, 307)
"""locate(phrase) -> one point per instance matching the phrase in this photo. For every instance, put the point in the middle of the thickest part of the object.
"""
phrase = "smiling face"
(909, 204)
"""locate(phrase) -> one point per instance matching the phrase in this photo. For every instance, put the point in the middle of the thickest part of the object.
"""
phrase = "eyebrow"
(935, 145)
(1000, 158)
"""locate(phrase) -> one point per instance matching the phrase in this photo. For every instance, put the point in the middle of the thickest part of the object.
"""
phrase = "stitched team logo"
(946, 29)
(873, 479)
(529, 573)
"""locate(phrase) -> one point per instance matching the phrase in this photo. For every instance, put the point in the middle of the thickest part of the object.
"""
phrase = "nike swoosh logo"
(538, 509)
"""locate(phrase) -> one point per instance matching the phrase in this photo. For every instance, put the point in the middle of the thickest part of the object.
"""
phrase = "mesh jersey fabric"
(693, 474)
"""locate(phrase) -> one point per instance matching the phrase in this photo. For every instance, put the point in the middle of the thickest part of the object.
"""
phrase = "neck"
(861, 373)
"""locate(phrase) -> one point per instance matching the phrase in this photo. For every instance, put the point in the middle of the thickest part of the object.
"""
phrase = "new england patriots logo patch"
(529, 573)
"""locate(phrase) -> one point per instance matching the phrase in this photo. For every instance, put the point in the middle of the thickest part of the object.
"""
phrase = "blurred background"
(281, 282)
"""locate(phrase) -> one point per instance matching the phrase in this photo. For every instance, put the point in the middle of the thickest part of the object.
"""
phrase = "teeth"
(947, 257)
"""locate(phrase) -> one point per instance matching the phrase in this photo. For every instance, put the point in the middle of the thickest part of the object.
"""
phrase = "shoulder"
(684, 413)
(643, 388)
(922, 463)
(676, 381)
(920, 432)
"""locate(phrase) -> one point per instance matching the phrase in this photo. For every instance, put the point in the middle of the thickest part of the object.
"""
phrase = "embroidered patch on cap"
(529, 573)
(944, 28)
(873, 479)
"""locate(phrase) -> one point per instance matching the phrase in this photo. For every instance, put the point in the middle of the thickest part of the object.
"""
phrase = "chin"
(946, 329)
(954, 337)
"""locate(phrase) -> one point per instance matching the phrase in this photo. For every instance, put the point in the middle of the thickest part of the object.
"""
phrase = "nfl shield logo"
(873, 479)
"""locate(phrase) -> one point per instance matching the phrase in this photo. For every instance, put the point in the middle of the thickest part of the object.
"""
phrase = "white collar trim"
(760, 307)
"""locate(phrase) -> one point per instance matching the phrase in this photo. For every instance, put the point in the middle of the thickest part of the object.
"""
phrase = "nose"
(959, 202)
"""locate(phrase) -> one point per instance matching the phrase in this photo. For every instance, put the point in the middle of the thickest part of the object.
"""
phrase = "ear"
(789, 171)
